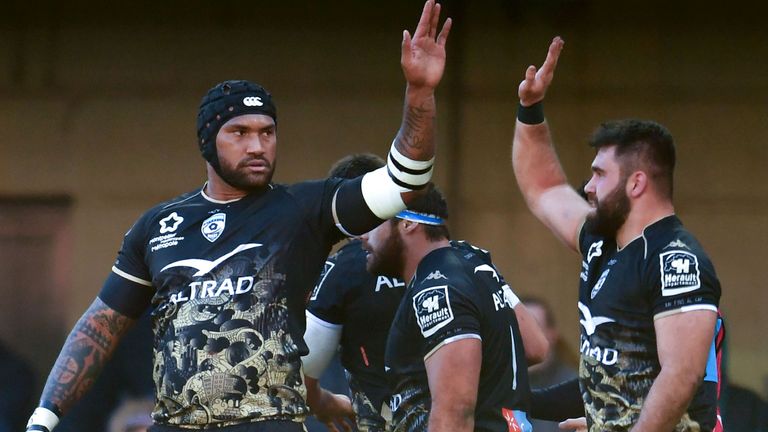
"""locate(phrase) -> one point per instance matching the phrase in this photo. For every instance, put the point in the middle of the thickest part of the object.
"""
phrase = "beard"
(388, 259)
(239, 177)
(609, 214)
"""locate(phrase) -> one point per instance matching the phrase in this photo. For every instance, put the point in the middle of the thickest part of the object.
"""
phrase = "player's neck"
(640, 217)
(218, 189)
(416, 252)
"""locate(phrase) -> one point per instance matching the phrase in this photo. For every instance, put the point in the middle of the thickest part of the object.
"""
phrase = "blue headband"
(421, 218)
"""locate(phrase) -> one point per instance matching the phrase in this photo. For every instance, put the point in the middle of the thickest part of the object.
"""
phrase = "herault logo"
(433, 309)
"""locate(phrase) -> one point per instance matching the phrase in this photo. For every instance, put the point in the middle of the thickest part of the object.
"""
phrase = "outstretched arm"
(387, 190)
(86, 350)
(538, 171)
(422, 58)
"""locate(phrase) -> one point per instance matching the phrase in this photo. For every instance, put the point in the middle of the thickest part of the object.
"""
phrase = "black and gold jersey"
(230, 283)
(664, 271)
(456, 293)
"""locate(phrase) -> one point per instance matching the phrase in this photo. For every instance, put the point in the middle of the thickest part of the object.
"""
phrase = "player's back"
(456, 294)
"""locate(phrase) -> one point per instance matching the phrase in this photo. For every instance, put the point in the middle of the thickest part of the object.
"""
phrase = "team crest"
(214, 226)
(599, 283)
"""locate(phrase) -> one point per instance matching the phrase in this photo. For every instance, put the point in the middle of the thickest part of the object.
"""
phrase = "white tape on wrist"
(408, 162)
(43, 417)
(408, 172)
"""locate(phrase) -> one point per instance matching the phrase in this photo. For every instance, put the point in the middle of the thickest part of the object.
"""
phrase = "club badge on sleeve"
(679, 272)
(433, 309)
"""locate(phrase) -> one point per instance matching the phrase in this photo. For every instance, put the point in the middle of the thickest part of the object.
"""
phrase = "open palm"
(423, 55)
(533, 88)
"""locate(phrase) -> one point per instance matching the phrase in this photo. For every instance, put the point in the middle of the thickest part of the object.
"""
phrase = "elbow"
(457, 415)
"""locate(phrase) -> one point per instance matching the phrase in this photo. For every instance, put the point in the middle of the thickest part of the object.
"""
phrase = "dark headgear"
(224, 101)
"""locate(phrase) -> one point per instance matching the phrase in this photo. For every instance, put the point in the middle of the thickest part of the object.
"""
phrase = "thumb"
(530, 73)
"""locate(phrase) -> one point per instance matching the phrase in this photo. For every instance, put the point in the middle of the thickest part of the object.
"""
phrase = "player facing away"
(454, 354)
(226, 268)
(354, 309)
(648, 293)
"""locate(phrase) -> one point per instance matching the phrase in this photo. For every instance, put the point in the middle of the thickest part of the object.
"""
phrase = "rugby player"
(353, 308)
(648, 293)
(227, 268)
(454, 354)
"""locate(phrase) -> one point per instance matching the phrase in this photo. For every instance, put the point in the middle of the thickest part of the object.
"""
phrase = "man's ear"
(637, 184)
(407, 227)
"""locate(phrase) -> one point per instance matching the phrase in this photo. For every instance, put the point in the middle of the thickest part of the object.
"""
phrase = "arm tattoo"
(415, 139)
(86, 350)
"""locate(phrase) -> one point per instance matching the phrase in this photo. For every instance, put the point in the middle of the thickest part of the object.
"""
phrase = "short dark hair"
(640, 144)
(431, 201)
(355, 165)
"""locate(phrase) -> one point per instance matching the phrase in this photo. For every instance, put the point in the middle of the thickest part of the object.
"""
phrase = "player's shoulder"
(312, 187)
(172, 209)
(668, 237)
(444, 266)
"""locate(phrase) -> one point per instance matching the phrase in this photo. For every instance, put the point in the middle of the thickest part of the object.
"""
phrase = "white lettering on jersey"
(679, 272)
(395, 401)
(487, 268)
(504, 297)
(388, 282)
(599, 283)
(205, 266)
(214, 226)
(589, 322)
(170, 223)
(606, 356)
(326, 269)
(433, 309)
(210, 288)
(595, 250)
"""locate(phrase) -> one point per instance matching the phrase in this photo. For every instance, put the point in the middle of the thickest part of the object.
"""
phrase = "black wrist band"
(531, 115)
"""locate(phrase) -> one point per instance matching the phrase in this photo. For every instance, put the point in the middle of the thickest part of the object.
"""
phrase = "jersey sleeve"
(682, 279)
(315, 198)
(327, 299)
(128, 289)
(444, 313)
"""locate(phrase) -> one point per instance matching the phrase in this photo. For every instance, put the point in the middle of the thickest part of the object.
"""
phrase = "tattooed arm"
(423, 61)
(85, 352)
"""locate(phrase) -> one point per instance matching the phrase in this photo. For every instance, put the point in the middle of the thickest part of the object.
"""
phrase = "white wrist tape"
(382, 194)
(408, 172)
(43, 417)
(322, 339)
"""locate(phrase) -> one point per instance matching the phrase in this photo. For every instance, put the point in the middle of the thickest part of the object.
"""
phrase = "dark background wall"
(98, 102)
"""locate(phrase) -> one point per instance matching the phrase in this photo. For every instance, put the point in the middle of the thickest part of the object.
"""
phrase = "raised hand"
(423, 56)
(533, 88)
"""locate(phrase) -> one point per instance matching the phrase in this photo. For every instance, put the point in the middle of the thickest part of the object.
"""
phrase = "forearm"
(86, 350)
(667, 400)
(416, 137)
(449, 419)
(534, 161)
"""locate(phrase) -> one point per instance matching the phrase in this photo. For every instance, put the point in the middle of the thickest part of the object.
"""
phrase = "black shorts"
(259, 426)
